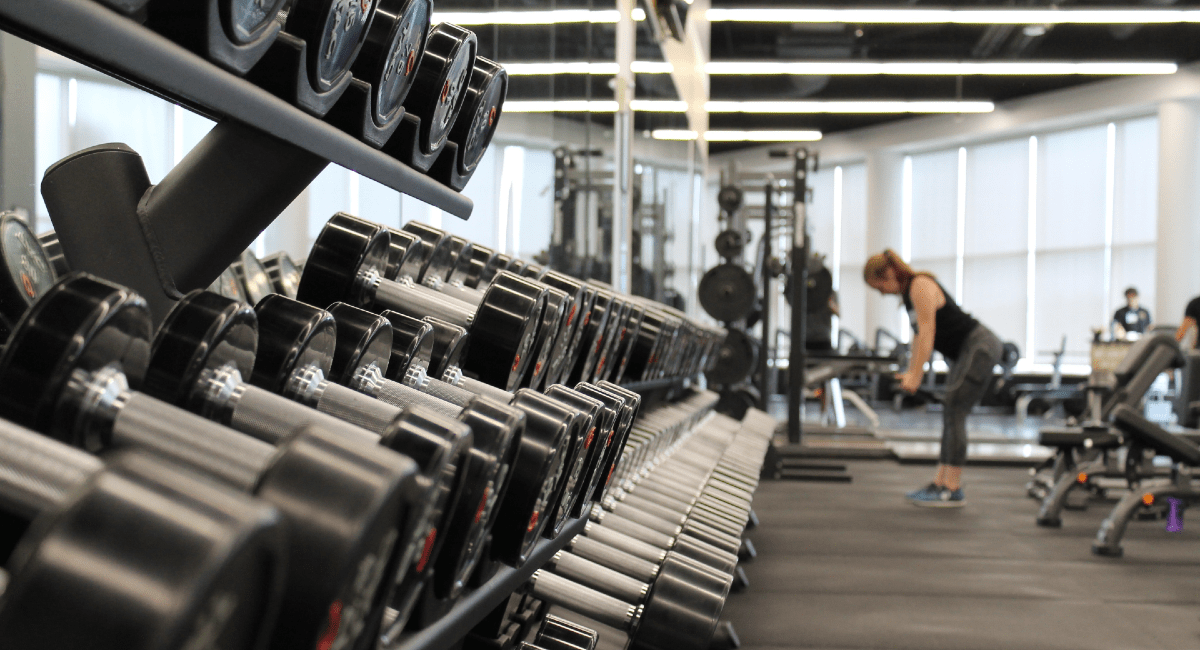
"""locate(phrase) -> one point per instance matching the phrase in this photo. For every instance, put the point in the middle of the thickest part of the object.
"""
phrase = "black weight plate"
(730, 243)
(412, 343)
(402, 254)
(28, 272)
(438, 90)
(581, 455)
(391, 54)
(820, 289)
(253, 276)
(345, 247)
(428, 240)
(448, 258)
(729, 198)
(735, 360)
(246, 20)
(228, 285)
(81, 323)
(203, 331)
(54, 252)
(727, 292)
(450, 343)
(285, 277)
(480, 113)
(291, 335)
(363, 339)
(503, 331)
(334, 31)
(482, 259)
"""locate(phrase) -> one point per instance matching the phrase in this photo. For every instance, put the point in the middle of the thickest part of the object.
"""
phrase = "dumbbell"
(27, 271)
(347, 261)
(285, 276)
(234, 35)
(207, 344)
(334, 31)
(216, 555)
(679, 609)
(228, 285)
(483, 266)
(608, 314)
(439, 261)
(256, 282)
(384, 70)
(436, 97)
(64, 374)
(557, 633)
(476, 124)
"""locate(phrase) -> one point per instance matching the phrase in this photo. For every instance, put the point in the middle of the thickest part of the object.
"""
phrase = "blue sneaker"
(938, 497)
(923, 493)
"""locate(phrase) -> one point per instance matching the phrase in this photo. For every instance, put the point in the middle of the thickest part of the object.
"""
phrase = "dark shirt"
(1193, 310)
(1133, 320)
(951, 324)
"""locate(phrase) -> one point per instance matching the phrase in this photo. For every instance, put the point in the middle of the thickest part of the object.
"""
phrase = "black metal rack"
(479, 603)
(100, 38)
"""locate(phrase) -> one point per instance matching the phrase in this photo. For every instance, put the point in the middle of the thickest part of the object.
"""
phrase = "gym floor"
(855, 567)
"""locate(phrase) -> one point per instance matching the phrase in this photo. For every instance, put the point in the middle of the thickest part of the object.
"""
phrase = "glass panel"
(1068, 300)
(935, 206)
(994, 292)
(1136, 209)
(1071, 189)
(997, 215)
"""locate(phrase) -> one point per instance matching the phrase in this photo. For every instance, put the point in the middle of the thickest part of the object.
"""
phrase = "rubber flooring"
(855, 567)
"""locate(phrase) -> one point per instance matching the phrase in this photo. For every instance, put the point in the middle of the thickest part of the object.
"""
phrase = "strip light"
(738, 136)
(547, 17)
(594, 106)
(606, 68)
(848, 107)
(915, 16)
(939, 67)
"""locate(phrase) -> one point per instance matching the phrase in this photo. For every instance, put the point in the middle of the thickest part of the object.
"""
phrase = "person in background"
(1191, 316)
(1131, 317)
(971, 349)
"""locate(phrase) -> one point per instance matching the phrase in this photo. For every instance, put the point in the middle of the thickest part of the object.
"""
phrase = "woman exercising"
(971, 349)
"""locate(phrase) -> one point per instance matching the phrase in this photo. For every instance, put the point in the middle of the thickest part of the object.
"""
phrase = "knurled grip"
(400, 395)
(638, 531)
(598, 577)
(358, 409)
(36, 472)
(591, 549)
(644, 518)
(577, 598)
(146, 423)
(274, 418)
(486, 390)
(451, 393)
(418, 302)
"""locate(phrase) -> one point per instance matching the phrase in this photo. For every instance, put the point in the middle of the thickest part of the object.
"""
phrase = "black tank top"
(951, 323)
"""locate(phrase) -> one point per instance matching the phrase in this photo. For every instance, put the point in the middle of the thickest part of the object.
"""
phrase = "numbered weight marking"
(483, 104)
(334, 31)
(246, 20)
(438, 90)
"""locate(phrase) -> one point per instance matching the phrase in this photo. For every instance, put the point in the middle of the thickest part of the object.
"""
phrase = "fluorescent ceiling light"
(911, 16)
(606, 68)
(594, 106)
(849, 107)
(532, 17)
(738, 136)
(939, 67)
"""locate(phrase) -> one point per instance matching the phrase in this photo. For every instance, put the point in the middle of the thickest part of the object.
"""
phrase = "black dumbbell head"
(412, 343)
(334, 31)
(391, 54)
(480, 114)
(253, 276)
(345, 246)
(484, 262)
(429, 239)
(448, 260)
(203, 332)
(285, 276)
(81, 323)
(291, 335)
(505, 327)
(363, 339)
(449, 345)
(28, 272)
(438, 91)
(404, 247)
(683, 607)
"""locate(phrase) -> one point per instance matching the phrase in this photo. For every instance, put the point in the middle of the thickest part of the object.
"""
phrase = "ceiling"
(835, 42)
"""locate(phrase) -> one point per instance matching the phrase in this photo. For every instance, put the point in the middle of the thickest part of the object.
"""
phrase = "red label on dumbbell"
(28, 285)
(445, 92)
(516, 363)
(533, 522)
(571, 316)
(412, 60)
(587, 318)
(482, 504)
(591, 434)
(491, 121)
(429, 540)
(331, 630)
(537, 369)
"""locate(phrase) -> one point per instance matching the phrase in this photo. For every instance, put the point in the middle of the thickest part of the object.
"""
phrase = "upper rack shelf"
(100, 38)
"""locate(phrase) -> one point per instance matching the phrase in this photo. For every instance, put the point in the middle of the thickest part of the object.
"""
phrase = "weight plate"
(449, 259)
(334, 31)
(363, 339)
(729, 198)
(405, 246)
(483, 260)
(346, 247)
(28, 273)
(228, 285)
(391, 54)
(480, 114)
(284, 274)
(730, 243)
(81, 323)
(428, 240)
(246, 20)
(253, 276)
(291, 335)
(437, 92)
(503, 331)
(735, 360)
(449, 344)
(727, 292)
(204, 331)
(412, 343)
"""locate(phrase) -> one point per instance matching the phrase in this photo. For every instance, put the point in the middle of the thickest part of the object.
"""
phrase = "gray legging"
(970, 375)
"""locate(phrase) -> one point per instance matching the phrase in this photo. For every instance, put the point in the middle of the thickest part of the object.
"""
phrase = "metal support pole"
(764, 358)
(622, 217)
(797, 356)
